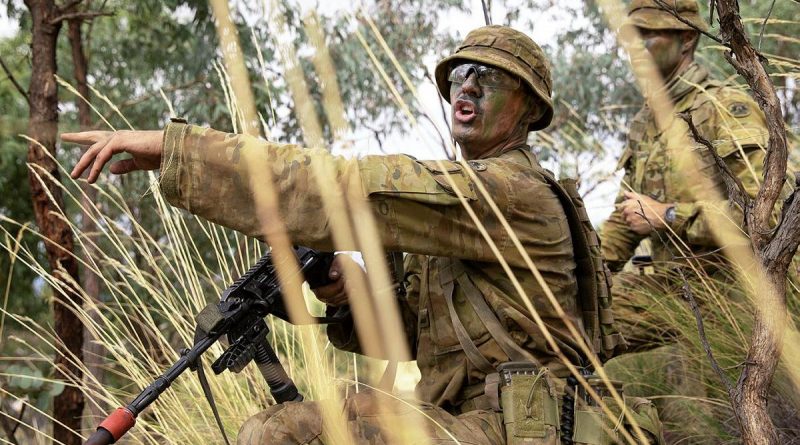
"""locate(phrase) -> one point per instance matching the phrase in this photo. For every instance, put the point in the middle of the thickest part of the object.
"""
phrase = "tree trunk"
(43, 126)
(93, 352)
(774, 248)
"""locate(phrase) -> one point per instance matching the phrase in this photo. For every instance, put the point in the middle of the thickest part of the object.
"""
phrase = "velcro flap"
(524, 407)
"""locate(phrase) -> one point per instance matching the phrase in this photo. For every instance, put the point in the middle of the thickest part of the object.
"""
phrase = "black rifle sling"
(201, 375)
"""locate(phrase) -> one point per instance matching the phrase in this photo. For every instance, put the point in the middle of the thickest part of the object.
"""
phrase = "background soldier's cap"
(658, 14)
(507, 49)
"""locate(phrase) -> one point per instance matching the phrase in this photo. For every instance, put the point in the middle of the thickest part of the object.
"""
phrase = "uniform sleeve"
(344, 335)
(739, 134)
(415, 203)
(618, 242)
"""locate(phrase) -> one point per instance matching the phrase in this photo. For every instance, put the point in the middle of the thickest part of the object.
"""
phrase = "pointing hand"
(145, 148)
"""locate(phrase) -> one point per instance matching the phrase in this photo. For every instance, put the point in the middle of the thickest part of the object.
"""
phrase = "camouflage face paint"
(487, 120)
(666, 49)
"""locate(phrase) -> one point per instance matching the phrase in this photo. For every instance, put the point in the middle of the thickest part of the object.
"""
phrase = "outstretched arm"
(209, 173)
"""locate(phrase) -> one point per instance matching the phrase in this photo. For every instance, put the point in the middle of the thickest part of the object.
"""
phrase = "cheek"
(504, 109)
(453, 92)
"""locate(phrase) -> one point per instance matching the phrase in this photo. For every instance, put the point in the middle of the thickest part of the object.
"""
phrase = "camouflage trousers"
(661, 365)
(368, 418)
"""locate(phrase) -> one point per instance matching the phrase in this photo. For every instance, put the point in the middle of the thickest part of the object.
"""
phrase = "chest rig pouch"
(593, 426)
(530, 405)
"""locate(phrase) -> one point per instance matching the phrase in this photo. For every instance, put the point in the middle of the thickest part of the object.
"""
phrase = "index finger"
(84, 137)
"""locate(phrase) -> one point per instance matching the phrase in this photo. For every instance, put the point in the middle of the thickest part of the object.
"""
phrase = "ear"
(536, 109)
(689, 39)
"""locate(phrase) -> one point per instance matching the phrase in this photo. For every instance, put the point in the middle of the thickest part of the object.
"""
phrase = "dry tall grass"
(156, 283)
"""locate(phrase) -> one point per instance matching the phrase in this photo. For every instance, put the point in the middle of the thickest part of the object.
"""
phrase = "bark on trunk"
(43, 126)
(93, 351)
(775, 248)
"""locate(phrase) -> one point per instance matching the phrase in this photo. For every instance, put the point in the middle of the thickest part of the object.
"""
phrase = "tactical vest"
(592, 275)
(593, 282)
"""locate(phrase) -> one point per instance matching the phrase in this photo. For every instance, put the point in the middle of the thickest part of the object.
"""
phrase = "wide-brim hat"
(661, 14)
(510, 50)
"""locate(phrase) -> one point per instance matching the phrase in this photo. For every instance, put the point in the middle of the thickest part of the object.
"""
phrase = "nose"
(471, 85)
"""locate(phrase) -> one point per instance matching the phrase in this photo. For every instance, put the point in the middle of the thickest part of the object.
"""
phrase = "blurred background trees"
(150, 60)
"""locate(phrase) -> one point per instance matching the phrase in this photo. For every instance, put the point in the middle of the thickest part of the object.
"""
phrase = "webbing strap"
(452, 270)
(499, 333)
(472, 352)
(201, 375)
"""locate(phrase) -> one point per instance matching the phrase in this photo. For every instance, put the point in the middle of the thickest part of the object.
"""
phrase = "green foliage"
(410, 30)
(29, 381)
(15, 201)
(149, 45)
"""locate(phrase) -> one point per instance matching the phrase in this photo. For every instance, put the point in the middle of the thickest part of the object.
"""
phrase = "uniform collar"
(688, 80)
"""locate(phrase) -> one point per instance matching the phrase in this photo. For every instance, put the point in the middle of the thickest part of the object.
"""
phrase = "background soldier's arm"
(617, 240)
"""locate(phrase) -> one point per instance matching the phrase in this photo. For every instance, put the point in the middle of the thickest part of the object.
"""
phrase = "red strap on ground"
(118, 423)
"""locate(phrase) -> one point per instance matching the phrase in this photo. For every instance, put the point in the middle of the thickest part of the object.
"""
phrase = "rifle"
(239, 315)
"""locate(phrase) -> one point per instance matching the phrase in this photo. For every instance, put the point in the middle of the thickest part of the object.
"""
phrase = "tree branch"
(736, 191)
(750, 66)
(81, 15)
(69, 5)
(671, 9)
(749, 399)
(688, 295)
(14, 81)
(764, 25)
(787, 236)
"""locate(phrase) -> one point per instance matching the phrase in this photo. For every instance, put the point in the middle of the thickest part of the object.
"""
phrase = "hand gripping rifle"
(239, 315)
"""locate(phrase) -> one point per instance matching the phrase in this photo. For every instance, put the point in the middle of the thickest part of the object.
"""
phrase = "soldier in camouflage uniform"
(498, 83)
(658, 202)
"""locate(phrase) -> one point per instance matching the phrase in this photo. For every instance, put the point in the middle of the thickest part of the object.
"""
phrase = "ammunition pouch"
(537, 411)
(593, 426)
(530, 405)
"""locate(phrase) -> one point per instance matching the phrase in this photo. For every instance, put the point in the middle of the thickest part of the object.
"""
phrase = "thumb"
(123, 166)
(631, 195)
(335, 271)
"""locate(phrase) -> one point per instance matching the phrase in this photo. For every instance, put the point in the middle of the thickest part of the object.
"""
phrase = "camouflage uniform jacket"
(419, 214)
(726, 117)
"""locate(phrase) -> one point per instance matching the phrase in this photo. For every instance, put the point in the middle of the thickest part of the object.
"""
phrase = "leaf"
(56, 388)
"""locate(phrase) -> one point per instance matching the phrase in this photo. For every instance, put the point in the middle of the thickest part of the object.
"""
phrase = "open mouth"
(465, 111)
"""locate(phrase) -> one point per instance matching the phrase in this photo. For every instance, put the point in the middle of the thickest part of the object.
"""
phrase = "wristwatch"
(669, 215)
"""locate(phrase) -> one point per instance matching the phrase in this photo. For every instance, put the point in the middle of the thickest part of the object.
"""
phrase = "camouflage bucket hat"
(659, 14)
(510, 50)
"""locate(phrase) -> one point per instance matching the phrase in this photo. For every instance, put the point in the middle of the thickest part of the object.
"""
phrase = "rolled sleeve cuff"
(171, 161)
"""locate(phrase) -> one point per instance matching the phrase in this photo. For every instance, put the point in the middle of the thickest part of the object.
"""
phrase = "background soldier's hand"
(145, 148)
(643, 214)
(335, 293)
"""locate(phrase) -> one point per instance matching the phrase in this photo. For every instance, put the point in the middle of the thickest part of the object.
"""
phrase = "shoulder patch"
(739, 109)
